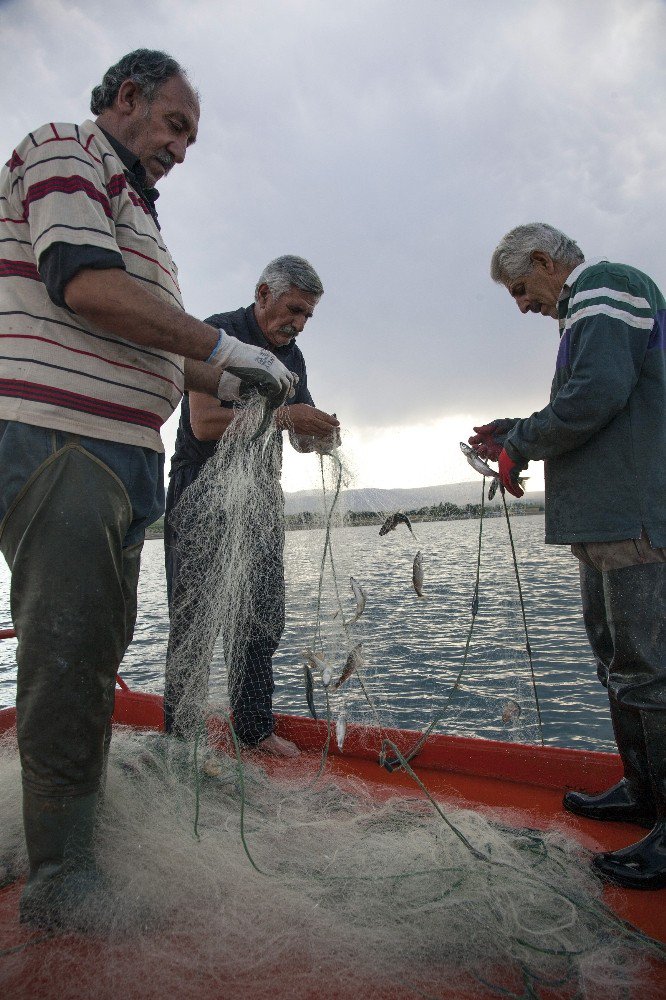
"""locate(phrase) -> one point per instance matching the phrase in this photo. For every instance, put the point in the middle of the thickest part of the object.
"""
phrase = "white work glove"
(248, 368)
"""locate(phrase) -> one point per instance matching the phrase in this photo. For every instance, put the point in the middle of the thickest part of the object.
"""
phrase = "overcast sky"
(392, 144)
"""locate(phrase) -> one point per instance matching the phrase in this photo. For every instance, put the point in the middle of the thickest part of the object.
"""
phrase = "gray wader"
(73, 604)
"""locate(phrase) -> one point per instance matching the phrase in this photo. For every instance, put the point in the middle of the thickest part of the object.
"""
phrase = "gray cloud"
(392, 144)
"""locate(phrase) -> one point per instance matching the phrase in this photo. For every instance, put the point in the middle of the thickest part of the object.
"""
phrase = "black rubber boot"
(64, 890)
(631, 800)
(643, 865)
(617, 804)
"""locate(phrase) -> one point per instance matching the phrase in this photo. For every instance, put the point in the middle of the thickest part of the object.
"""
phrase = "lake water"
(414, 648)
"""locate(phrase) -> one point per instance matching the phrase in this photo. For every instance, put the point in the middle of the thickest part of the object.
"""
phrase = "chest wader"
(73, 603)
(635, 619)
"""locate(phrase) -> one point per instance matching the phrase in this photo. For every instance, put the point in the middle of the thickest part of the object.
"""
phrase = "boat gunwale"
(542, 766)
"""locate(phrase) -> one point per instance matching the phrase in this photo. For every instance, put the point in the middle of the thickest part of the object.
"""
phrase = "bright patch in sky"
(425, 454)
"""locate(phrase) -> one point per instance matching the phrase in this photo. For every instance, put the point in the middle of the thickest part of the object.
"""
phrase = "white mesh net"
(293, 891)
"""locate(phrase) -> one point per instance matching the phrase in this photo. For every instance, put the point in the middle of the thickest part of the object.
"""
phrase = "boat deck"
(523, 785)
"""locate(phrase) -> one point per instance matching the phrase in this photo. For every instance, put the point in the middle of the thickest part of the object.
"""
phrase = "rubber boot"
(643, 865)
(631, 799)
(64, 889)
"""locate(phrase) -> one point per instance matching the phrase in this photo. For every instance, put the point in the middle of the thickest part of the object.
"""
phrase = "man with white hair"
(96, 352)
(286, 295)
(603, 440)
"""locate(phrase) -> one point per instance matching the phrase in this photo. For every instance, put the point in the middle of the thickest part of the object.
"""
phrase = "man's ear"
(128, 97)
(542, 259)
(263, 294)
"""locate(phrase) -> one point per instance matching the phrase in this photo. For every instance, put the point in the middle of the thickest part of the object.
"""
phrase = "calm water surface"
(415, 648)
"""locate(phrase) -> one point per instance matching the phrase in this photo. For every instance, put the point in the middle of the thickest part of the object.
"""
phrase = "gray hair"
(286, 272)
(513, 255)
(148, 68)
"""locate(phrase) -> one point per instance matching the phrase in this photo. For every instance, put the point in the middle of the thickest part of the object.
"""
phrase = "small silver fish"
(309, 690)
(211, 767)
(477, 462)
(510, 712)
(359, 594)
(340, 730)
(417, 574)
(392, 522)
(492, 489)
(354, 661)
(272, 400)
(475, 602)
(312, 660)
(318, 663)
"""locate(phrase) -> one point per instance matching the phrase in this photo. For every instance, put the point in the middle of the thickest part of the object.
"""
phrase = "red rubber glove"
(509, 471)
(489, 438)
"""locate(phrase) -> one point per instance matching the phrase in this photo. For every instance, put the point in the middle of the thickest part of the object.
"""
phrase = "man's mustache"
(166, 159)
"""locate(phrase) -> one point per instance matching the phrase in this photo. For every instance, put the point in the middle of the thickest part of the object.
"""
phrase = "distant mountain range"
(392, 500)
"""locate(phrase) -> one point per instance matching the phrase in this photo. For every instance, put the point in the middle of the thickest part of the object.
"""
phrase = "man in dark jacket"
(286, 295)
(603, 440)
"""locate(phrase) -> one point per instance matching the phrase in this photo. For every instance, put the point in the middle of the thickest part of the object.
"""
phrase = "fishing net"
(288, 888)
(229, 604)
(414, 648)
(230, 531)
(230, 877)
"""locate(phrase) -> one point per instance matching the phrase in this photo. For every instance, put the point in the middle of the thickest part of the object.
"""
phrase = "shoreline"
(306, 521)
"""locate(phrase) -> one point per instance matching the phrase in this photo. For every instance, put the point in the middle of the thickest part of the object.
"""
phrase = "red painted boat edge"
(545, 767)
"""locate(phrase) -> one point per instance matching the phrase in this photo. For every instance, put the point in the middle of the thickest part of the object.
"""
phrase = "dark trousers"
(248, 647)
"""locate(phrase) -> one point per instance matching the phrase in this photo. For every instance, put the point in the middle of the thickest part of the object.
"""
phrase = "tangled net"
(346, 894)
(230, 524)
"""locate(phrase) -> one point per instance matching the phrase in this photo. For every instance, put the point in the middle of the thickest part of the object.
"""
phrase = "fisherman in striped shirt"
(603, 440)
(95, 352)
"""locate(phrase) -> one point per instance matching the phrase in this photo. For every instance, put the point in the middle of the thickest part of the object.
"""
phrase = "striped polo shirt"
(66, 184)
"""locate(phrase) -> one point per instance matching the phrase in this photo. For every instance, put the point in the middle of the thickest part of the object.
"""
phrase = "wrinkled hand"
(489, 438)
(246, 368)
(311, 429)
(509, 473)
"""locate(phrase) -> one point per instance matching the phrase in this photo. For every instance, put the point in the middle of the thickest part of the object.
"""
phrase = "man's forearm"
(200, 377)
(208, 419)
(113, 301)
